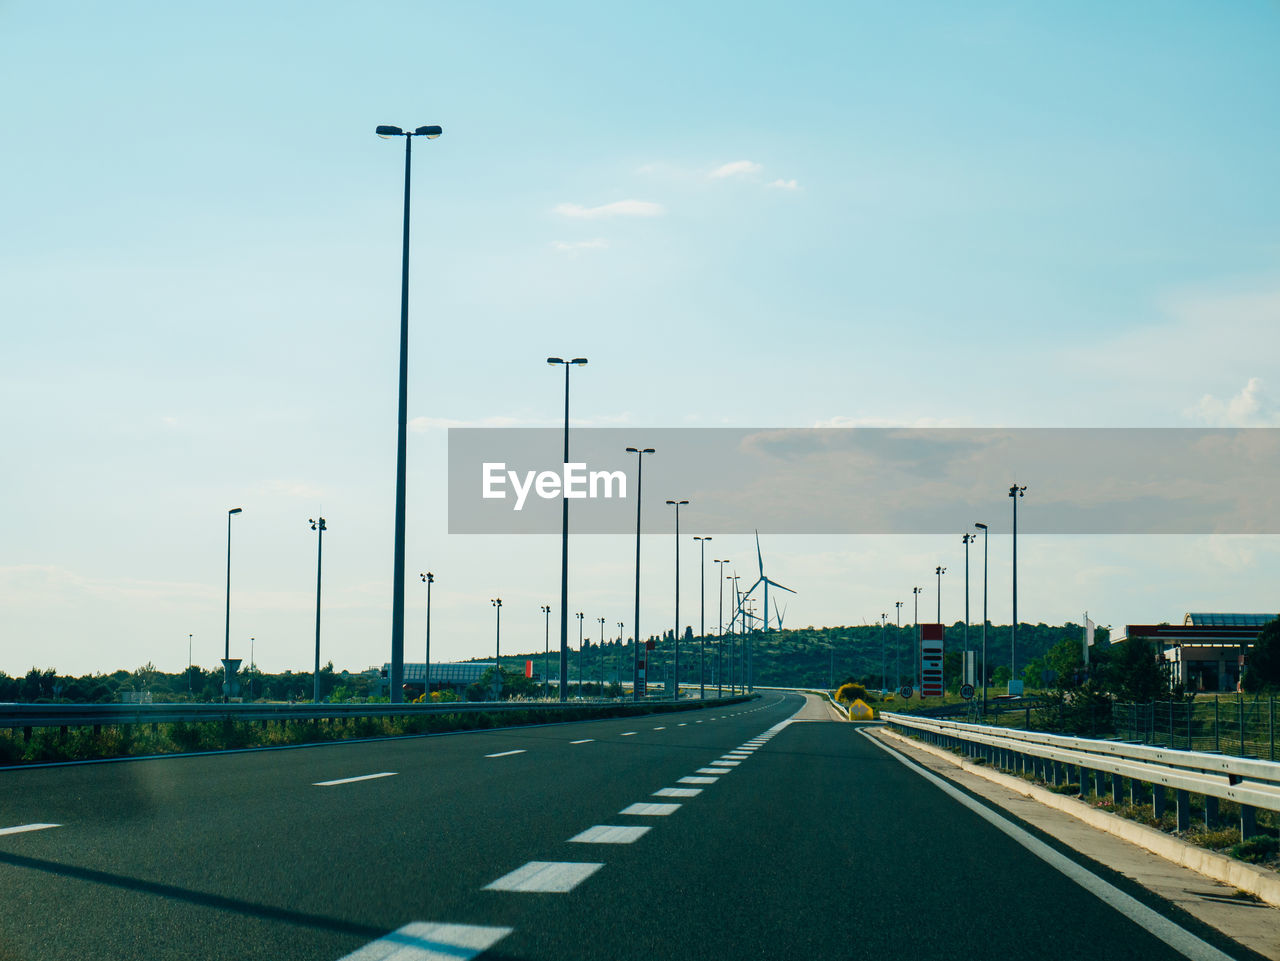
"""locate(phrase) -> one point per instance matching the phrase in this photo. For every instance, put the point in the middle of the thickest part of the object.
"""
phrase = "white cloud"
(619, 208)
(1250, 407)
(785, 184)
(736, 168)
(573, 246)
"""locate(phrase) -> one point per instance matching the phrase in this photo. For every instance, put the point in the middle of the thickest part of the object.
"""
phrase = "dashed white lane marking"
(627, 733)
(507, 753)
(352, 780)
(585, 740)
(663, 728)
(557, 877)
(678, 792)
(430, 941)
(727, 762)
(23, 828)
(682, 724)
(697, 722)
(698, 780)
(650, 809)
(712, 770)
(610, 834)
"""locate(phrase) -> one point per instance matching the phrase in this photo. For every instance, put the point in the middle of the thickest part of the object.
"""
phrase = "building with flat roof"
(1206, 652)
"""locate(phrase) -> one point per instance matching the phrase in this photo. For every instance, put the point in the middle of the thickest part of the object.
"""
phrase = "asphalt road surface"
(761, 830)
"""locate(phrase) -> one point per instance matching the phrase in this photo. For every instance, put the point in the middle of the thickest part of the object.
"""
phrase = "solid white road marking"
(678, 792)
(1178, 938)
(698, 780)
(610, 834)
(352, 780)
(23, 828)
(430, 941)
(585, 740)
(554, 876)
(650, 809)
(507, 753)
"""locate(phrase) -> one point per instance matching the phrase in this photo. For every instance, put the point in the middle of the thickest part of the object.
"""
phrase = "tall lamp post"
(720, 640)
(580, 616)
(884, 658)
(636, 647)
(1015, 492)
(497, 641)
(319, 527)
(966, 539)
(915, 654)
(226, 638)
(940, 571)
(676, 636)
(190, 690)
(983, 527)
(702, 616)
(546, 652)
(564, 529)
(897, 645)
(735, 642)
(397, 598)
(428, 578)
(622, 646)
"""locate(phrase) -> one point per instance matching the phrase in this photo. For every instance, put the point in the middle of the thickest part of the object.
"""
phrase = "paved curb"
(1261, 883)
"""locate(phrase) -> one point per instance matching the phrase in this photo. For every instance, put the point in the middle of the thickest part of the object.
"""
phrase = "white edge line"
(1156, 924)
(23, 828)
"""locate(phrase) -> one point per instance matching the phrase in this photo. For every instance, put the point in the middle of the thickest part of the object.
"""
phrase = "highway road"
(761, 830)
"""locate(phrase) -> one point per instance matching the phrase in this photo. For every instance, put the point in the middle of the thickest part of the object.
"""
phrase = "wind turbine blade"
(759, 558)
(779, 586)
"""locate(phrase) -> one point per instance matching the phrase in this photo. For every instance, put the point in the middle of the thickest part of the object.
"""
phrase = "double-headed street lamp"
(966, 539)
(396, 678)
(897, 645)
(564, 529)
(915, 654)
(319, 527)
(428, 578)
(497, 640)
(580, 616)
(940, 571)
(702, 616)
(983, 527)
(635, 643)
(676, 637)
(546, 651)
(1015, 492)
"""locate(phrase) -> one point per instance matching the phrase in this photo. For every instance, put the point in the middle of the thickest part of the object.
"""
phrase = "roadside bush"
(1259, 848)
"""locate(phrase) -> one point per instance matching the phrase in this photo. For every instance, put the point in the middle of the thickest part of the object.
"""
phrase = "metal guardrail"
(84, 715)
(1251, 783)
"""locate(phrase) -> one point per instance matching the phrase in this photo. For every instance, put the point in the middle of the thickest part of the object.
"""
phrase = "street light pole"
(622, 644)
(190, 690)
(319, 527)
(720, 637)
(564, 530)
(967, 539)
(430, 579)
(396, 673)
(983, 527)
(676, 636)
(884, 659)
(635, 641)
(897, 645)
(702, 617)
(497, 641)
(940, 571)
(915, 654)
(1015, 492)
(546, 652)
(226, 640)
(580, 616)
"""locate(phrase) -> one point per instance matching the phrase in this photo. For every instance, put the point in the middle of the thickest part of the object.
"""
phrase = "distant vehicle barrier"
(31, 716)
(1251, 783)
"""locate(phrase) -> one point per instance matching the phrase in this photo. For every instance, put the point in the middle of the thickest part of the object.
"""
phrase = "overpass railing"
(1151, 771)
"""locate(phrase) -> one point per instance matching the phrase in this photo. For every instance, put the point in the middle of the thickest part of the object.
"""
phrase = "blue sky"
(743, 214)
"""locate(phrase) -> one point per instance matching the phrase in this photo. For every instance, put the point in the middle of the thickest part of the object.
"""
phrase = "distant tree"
(1134, 672)
(1263, 672)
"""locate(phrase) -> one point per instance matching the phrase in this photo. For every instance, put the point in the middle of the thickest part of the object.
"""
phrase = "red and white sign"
(640, 678)
(931, 645)
(528, 668)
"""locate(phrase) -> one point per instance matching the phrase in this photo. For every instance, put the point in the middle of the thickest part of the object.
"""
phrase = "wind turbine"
(766, 582)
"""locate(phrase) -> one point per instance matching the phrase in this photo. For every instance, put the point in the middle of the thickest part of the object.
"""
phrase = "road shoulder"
(1249, 922)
